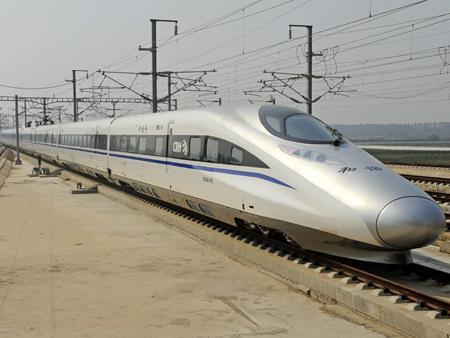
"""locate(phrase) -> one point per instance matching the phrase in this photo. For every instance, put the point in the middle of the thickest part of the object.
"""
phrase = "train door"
(170, 132)
(112, 164)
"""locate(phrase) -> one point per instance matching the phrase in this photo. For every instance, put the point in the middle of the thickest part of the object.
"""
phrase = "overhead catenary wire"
(241, 74)
(352, 23)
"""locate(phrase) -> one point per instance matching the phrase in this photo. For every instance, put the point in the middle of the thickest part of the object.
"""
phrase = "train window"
(236, 155)
(195, 148)
(123, 143)
(300, 126)
(159, 146)
(132, 145)
(274, 123)
(294, 125)
(114, 143)
(101, 142)
(150, 148)
(212, 150)
(142, 146)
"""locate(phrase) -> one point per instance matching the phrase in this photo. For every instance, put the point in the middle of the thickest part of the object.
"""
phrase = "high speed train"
(269, 168)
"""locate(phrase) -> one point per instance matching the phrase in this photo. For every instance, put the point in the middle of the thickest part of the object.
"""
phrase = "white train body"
(243, 166)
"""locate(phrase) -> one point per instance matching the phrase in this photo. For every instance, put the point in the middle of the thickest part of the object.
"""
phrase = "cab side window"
(212, 150)
(195, 148)
(236, 155)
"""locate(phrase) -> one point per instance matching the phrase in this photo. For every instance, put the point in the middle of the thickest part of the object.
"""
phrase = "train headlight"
(310, 155)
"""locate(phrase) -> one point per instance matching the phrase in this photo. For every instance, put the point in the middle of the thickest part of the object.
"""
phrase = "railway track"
(426, 166)
(439, 197)
(427, 179)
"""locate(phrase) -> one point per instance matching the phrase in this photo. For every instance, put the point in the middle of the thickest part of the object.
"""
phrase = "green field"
(413, 157)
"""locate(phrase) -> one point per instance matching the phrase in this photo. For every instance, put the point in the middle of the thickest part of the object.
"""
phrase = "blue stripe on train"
(181, 165)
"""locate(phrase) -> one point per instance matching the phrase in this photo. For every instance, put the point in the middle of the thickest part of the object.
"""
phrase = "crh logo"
(180, 147)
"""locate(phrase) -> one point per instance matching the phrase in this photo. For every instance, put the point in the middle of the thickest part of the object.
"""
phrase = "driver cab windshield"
(294, 125)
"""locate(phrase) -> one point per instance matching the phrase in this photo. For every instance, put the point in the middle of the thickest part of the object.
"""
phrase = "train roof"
(223, 114)
(221, 111)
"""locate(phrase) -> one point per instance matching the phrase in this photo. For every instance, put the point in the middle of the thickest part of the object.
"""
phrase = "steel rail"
(430, 179)
(439, 196)
(425, 166)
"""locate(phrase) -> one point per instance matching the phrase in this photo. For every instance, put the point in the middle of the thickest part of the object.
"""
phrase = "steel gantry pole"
(25, 112)
(309, 57)
(75, 105)
(169, 91)
(74, 84)
(153, 50)
(18, 161)
(154, 68)
(44, 108)
(310, 75)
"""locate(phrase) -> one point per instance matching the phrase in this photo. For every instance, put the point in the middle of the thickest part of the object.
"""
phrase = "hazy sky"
(397, 62)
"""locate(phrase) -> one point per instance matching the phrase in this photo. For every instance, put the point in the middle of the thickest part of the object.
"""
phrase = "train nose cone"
(410, 222)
